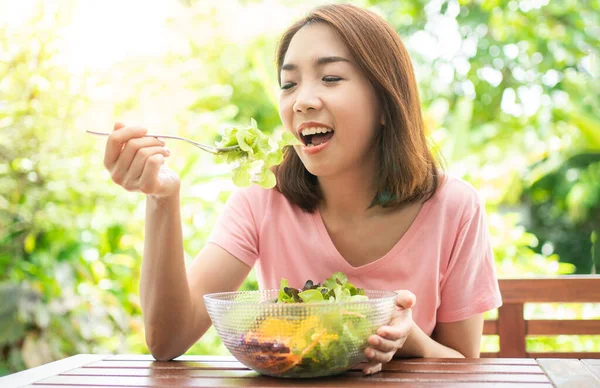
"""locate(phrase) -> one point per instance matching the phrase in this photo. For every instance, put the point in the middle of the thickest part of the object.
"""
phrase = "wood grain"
(512, 327)
(512, 330)
(34, 374)
(561, 289)
(565, 326)
(575, 355)
(568, 373)
(213, 371)
(593, 366)
(201, 371)
(229, 378)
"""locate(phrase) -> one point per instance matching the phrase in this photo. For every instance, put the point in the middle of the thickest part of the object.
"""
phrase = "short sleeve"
(236, 230)
(470, 285)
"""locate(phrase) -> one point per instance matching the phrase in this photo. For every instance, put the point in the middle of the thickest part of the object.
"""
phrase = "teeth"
(315, 130)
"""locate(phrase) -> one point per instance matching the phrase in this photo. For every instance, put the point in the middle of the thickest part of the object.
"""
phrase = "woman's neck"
(348, 196)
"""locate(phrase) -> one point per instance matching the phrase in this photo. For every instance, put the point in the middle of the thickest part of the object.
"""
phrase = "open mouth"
(316, 136)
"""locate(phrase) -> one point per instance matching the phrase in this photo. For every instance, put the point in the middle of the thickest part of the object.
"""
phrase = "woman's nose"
(307, 99)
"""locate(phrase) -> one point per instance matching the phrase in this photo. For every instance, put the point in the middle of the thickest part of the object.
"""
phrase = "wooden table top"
(91, 370)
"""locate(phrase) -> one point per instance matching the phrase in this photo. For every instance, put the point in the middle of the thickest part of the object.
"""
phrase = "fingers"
(132, 147)
(384, 344)
(372, 367)
(148, 182)
(401, 321)
(117, 139)
(382, 348)
(379, 356)
(137, 164)
(405, 299)
(132, 159)
(133, 174)
(388, 339)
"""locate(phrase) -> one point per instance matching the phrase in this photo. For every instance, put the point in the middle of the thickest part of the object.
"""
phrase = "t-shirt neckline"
(348, 268)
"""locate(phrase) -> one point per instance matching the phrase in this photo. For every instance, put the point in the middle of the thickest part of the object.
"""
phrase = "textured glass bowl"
(297, 339)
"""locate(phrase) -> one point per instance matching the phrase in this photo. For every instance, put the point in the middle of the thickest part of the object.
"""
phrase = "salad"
(256, 155)
(310, 344)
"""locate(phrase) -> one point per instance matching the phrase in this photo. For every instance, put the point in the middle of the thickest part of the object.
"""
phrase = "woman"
(362, 195)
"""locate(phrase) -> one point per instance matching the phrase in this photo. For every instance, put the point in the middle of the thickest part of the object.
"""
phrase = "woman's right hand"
(136, 162)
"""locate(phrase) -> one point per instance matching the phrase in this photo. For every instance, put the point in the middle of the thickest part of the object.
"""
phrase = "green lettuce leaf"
(255, 157)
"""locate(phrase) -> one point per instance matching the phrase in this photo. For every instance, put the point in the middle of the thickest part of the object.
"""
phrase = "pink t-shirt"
(445, 257)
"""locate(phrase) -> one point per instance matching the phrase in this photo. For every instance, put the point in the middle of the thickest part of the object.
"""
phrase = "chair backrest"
(512, 327)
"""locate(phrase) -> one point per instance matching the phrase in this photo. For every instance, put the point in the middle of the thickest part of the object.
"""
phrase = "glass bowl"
(297, 339)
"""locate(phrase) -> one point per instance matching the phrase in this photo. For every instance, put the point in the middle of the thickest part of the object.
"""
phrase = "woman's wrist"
(163, 201)
(419, 344)
(415, 345)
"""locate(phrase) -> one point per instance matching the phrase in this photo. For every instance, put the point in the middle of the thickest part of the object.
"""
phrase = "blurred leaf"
(29, 245)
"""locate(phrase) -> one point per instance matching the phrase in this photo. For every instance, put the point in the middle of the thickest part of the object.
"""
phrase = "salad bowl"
(298, 338)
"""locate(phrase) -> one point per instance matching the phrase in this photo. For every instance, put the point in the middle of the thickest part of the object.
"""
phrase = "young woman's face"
(328, 103)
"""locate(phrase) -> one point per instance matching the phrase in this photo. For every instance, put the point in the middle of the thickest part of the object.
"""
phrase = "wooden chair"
(512, 328)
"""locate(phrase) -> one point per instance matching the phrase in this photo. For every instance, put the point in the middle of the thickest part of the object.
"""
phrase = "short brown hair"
(408, 171)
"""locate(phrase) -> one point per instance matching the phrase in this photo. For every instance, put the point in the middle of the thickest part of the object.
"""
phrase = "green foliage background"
(510, 95)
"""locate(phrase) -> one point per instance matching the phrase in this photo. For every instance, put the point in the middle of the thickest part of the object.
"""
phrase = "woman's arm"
(164, 291)
(449, 340)
(171, 298)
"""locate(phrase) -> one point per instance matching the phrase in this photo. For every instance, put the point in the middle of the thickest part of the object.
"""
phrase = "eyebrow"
(321, 61)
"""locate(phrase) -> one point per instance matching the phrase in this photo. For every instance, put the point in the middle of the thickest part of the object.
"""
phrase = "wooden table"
(211, 371)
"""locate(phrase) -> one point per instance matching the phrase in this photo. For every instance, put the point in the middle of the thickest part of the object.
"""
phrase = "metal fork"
(204, 147)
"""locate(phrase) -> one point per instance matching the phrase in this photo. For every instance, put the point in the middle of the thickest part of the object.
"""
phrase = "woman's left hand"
(391, 337)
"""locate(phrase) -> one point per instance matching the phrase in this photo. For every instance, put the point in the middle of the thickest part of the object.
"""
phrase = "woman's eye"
(331, 79)
(287, 85)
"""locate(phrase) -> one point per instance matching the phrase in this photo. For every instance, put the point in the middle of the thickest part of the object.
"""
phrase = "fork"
(204, 147)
